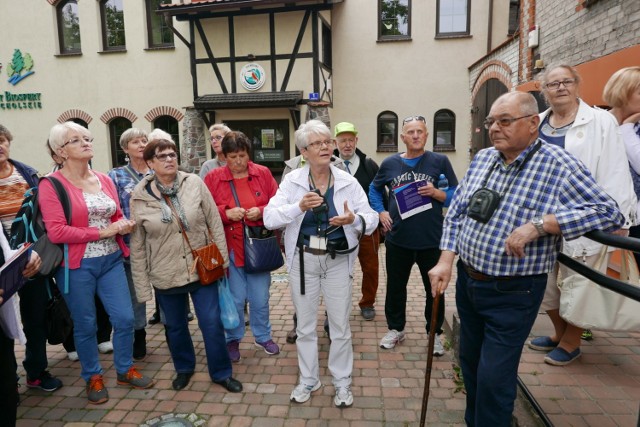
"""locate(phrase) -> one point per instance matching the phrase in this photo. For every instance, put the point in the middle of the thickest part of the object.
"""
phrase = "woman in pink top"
(95, 253)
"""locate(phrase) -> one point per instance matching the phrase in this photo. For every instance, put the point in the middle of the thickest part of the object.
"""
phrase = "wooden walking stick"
(427, 373)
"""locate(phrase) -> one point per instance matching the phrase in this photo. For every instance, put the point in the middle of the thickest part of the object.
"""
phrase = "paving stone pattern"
(602, 389)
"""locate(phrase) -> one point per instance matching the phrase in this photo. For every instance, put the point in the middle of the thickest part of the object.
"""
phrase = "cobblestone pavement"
(601, 389)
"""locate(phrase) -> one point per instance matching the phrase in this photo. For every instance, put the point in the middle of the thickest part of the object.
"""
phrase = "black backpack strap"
(62, 195)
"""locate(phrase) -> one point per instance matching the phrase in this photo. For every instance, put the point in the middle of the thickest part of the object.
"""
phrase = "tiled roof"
(248, 100)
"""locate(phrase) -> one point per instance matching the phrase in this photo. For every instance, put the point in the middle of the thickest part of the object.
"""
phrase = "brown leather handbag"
(207, 260)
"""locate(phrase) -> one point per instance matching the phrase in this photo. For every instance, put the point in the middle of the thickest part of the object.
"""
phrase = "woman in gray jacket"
(161, 258)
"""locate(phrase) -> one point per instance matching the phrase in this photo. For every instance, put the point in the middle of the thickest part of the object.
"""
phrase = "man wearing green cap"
(363, 169)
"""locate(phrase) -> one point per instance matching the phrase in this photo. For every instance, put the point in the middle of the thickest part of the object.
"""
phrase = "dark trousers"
(8, 382)
(33, 310)
(207, 307)
(399, 263)
(104, 328)
(635, 232)
(495, 320)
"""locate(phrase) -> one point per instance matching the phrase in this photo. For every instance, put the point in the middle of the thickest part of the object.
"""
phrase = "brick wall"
(575, 36)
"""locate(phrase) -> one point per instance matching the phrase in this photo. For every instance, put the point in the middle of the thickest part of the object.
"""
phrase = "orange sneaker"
(96, 391)
(135, 379)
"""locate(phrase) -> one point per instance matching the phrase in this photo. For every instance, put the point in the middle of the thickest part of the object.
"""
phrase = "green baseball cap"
(345, 127)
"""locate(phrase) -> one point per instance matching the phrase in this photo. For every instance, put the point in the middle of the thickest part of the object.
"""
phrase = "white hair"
(58, 133)
(312, 127)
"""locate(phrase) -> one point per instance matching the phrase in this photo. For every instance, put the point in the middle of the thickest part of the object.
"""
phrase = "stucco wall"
(94, 83)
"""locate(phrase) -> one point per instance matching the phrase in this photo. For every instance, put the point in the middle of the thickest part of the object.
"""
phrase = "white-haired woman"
(324, 211)
(218, 131)
(125, 178)
(591, 135)
(95, 257)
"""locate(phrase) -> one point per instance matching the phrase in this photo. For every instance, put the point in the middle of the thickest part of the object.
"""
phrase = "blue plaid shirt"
(123, 178)
(551, 182)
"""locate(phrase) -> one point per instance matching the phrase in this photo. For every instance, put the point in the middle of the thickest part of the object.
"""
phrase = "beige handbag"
(588, 305)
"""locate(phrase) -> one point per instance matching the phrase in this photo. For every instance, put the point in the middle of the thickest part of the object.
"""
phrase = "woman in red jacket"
(95, 257)
(254, 186)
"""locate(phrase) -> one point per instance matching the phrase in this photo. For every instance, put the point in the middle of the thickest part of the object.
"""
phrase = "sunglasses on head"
(412, 118)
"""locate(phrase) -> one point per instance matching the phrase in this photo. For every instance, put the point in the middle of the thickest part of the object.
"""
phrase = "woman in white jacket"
(591, 135)
(324, 211)
(622, 93)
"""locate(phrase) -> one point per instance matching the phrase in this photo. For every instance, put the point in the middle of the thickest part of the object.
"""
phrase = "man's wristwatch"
(538, 223)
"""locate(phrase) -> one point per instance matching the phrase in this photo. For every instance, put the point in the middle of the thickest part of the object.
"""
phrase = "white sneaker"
(302, 392)
(105, 347)
(392, 338)
(344, 397)
(73, 356)
(438, 349)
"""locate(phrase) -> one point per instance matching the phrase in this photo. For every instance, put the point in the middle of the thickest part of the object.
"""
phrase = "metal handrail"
(623, 288)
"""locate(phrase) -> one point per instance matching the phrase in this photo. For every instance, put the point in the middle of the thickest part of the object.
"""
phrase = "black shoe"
(368, 313)
(232, 385)
(139, 344)
(181, 381)
(292, 336)
(154, 319)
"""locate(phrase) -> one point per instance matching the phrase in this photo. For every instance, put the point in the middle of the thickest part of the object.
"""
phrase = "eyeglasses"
(166, 157)
(317, 145)
(412, 118)
(504, 122)
(217, 137)
(556, 85)
(76, 141)
(342, 141)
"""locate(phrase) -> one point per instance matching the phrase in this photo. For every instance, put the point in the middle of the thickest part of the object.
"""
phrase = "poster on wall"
(268, 138)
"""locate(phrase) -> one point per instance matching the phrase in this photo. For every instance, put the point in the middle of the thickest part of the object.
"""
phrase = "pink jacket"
(78, 234)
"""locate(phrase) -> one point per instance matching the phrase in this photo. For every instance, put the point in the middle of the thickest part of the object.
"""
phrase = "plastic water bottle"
(443, 182)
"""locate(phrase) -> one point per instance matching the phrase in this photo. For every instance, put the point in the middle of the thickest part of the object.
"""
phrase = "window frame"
(392, 118)
(453, 34)
(103, 24)
(59, 20)
(396, 37)
(150, 13)
(160, 123)
(114, 140)
(451, 120)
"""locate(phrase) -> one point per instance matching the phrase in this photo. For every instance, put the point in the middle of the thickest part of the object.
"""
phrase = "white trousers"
(329, 277)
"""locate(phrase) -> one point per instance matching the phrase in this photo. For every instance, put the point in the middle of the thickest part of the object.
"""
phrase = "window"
(514, 16)
(169, 125)
(117, 127)
(394, 19)
(160, 35)
(80, 122)
(387, 132)
(444, 131)
(112, 15)
(453, 18)
(68, 26)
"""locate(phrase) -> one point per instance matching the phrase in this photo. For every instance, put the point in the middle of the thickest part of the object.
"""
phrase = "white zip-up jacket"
(283, 209)
(595, 140)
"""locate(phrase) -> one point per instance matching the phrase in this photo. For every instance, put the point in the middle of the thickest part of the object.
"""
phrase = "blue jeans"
(105, 277)
(495, 320)
(255, 289)
(139, 308)
(205, 303)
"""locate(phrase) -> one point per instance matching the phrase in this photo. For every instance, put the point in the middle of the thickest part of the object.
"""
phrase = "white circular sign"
(252, 76)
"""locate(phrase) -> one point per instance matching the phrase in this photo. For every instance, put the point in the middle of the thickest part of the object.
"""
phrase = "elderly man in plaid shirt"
(507, 248)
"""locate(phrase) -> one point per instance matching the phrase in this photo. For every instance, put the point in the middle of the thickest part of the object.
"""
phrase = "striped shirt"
(551, 182)
(12, 189)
